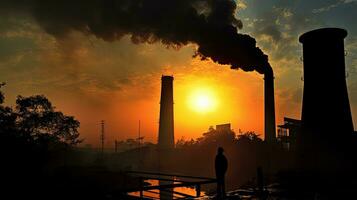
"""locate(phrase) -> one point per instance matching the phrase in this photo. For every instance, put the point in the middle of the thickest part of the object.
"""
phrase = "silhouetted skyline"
(78, 75)
(104, 80)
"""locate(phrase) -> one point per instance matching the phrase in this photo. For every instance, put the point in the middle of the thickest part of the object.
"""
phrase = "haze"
(119, 82)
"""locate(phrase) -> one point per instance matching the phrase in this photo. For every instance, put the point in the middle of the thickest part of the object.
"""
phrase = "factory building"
(223, 127)
(288, 132)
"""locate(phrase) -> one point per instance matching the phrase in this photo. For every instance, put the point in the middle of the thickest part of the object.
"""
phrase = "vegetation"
(35, 119)
(245, 152)
(130, 143)
(37, 151)
(39, 159)
(34, 138)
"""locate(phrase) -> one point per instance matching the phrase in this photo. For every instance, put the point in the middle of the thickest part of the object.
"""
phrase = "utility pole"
(116, 146)
(140, 138)
(139, 135)
(102, 135)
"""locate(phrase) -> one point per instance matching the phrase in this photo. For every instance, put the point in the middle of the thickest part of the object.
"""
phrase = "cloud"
(241, 5)
(79, 64)
(332, 6)
(277, 30)
(175, 23)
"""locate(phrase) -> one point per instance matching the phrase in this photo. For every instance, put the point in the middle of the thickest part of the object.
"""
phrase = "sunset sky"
(119, 81)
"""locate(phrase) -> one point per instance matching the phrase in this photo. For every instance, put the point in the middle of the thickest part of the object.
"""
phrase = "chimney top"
(323, 34)
(167, 78)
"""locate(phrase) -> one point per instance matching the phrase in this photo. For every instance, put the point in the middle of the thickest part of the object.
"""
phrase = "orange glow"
(208, 96)
(202, 100)
(205, 100)
(156, 193)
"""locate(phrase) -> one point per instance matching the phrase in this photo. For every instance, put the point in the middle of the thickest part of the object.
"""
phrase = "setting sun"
(202, 100)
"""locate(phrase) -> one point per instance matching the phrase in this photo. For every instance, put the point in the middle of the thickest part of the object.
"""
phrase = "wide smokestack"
(327, 126)
(166, 126)
(269, 106)
(325, 108)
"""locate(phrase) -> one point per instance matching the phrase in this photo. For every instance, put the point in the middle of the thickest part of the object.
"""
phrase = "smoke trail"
(208, 23)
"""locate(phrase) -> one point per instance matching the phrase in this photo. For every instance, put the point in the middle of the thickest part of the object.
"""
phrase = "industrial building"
(223, 127)
(288, 132)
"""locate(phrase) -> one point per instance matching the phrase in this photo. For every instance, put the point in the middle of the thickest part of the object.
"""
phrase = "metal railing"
(177, 180)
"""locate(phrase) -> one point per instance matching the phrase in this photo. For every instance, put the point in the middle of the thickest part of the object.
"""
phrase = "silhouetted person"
(260, 183)
(221, 165)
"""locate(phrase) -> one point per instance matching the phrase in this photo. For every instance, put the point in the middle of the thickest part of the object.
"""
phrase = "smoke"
(208, 23)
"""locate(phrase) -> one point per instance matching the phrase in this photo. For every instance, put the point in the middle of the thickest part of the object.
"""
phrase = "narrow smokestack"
(166, 126)
(269, 106)
(325, 109)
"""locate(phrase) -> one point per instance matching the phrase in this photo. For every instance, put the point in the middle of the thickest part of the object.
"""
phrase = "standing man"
(221, 165)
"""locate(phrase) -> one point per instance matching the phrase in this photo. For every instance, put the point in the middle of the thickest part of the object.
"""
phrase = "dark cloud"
(279, 29)
(14, 46)
(208, 23)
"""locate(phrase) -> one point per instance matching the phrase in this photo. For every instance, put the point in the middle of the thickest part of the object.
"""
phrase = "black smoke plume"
(210, 24)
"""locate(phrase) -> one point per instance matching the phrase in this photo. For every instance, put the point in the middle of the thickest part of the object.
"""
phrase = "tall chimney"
(325, 108)
(166, 124)
(326, 120)
(269, 106)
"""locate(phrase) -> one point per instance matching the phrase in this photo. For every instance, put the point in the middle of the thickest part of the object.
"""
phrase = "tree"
(7, 116)
(35, 139)
(37, 118)
(182, 143)
(249, 136)
(219, 137)
(2, 97)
